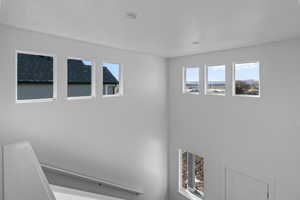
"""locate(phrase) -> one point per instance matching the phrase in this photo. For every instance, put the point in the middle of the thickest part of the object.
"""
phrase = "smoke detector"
(131, 15)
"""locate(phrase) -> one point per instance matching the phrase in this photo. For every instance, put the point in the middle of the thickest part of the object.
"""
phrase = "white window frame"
(121, 80)
(206, 80)
(42, 100)
(184, 68)
(181, 190)
(259, 81)
(93, 80)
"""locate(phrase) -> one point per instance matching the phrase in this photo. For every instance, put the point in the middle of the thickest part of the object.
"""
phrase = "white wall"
(122, 139)
(257, 136)
(125, 139)
(1, 175)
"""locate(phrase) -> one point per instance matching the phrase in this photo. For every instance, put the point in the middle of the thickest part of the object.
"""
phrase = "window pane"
(199, 174)
(191, 171)
(247, 79)
(111, 79)
(79, 78)
(191, 82)
(192, 174)
(35, 76)
(215, 80)
(184, 172)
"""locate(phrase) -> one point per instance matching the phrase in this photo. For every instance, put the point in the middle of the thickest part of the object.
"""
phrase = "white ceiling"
(163, 27)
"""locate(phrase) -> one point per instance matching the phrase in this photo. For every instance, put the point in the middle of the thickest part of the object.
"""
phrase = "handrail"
(90, 179)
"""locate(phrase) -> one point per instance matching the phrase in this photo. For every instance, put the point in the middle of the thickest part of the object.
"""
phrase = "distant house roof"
(78, 72)
(108, 77)
(32, 68)
(38, 69)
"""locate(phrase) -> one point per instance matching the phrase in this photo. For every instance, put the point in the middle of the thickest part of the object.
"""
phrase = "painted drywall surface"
(257, 136)
(22, 167)
(1, 174)
(121, 139)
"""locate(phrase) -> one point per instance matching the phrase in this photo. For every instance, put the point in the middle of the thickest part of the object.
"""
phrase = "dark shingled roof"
(108, 77)
(38, 69)
(78, 72)
(33, 68)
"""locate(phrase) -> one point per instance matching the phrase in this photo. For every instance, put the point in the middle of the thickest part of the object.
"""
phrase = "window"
(111, 79)
(215, 80)
(247, 79)
(191, 175)
(80, 79)
(35, 77)
(191, 83)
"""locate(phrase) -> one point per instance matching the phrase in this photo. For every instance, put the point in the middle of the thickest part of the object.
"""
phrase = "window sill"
(80, 98)
(251, 96)
(35, 101)
(189, 195)
(111, 96)
(222, 95)
(192, 94)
